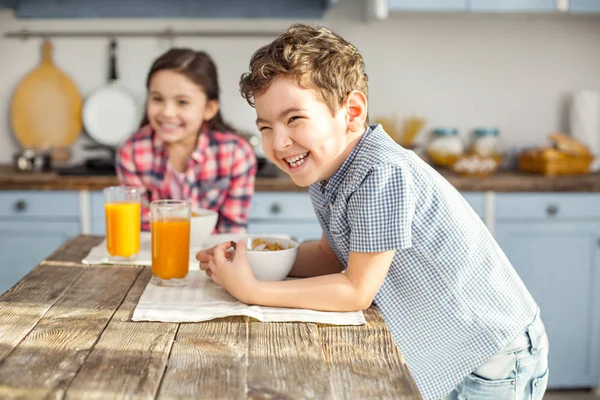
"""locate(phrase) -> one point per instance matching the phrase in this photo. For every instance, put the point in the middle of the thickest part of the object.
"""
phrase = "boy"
(404, 237)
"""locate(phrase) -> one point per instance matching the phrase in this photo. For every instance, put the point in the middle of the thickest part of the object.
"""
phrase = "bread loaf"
(568, 144)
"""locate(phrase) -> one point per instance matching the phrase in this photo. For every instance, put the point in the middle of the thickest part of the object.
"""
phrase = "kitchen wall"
(463, 70)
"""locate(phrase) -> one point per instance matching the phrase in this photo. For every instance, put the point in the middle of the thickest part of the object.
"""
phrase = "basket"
(552, 162)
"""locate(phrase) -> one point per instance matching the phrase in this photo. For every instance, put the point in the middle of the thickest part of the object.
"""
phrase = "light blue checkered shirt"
(451, 298)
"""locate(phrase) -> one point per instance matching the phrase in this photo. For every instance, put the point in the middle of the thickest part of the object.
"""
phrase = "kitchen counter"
(67, 332)
(500, 182)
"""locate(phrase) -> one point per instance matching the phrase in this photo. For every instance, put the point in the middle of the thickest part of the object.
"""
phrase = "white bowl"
(202, 225)
(271, 265)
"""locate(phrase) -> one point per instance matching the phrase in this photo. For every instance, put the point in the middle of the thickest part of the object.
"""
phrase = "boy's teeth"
(296, 158)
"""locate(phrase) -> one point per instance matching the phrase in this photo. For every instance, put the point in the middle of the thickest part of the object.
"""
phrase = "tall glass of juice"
(170, 241)
(122, 209)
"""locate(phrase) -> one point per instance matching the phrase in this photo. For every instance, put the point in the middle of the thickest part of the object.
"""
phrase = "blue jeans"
(519, 371)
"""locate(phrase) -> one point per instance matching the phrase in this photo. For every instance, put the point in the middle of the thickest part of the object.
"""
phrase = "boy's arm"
(350, 291)
(316, 258)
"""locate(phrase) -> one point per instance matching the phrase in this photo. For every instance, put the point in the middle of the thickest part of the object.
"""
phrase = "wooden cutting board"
(46, 107)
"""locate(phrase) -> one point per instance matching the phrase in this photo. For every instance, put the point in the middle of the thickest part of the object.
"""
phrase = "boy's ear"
(356, 110)
(211, 109)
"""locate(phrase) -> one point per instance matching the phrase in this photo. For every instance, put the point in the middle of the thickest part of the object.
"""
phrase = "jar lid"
(487, 132)
(445, 131)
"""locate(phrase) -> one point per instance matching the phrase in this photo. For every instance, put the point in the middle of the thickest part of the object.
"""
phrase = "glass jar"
(487, 143)
(445, 147)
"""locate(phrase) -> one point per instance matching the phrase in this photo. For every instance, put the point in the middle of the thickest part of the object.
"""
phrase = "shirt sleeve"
(128, 175)
(233, 215)
(381, 211)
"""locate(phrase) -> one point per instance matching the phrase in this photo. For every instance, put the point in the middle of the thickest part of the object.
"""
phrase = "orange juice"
(123, 228)
(170, 241)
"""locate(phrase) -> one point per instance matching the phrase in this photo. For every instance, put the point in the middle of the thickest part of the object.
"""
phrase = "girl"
(184, 149)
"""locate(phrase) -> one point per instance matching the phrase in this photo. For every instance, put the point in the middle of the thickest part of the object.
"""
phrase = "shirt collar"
(197, 155)
(199, 152)
(329, 188)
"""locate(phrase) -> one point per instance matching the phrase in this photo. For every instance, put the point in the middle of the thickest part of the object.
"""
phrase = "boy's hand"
(204, 256)
(232, 273)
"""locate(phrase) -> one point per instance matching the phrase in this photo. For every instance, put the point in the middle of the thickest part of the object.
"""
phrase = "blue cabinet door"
(559, 262)
(476, 201)
(295, 9)
(428, 5)
(513, 5)
(98, 221)
(23, 244)
(584, 6)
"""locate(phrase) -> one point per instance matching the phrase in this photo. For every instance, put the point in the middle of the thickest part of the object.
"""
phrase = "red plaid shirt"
(220, 174)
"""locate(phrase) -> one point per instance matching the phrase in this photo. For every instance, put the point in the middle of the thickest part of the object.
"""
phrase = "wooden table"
(65, 332)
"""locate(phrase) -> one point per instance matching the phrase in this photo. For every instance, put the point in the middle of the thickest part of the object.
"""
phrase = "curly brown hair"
(314, 56)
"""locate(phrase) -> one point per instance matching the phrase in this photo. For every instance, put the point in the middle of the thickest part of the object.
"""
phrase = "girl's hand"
(232, 273)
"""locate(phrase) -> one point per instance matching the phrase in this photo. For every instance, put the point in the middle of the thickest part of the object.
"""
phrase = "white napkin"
(202, 300)
(99, 254)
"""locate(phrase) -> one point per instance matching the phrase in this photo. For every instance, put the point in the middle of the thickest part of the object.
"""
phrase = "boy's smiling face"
(299, 133)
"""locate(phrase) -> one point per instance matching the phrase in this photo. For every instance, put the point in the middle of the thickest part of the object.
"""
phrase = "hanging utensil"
(46, 107)
(111, 114)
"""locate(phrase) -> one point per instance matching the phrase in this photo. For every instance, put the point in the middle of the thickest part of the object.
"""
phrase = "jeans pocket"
(539, 385)
(477, 387)
(483, 381)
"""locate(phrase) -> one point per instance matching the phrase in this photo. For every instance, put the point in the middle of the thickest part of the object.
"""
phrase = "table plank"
(73, 251)
(208, 361)
(365, 362)
(130, 357)
(286, 361)
(47, 359)
(22, 306)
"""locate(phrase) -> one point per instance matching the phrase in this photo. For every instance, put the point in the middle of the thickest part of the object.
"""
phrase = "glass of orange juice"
(170, 241)
(122, 209)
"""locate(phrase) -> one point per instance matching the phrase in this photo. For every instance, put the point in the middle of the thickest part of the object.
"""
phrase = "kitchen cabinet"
(98, 222)
(288, 213)
(428, 5)
(584, 6)
(553, 241)
(293, 214)
(8, 4)
(513, 5)
(270, 212)
(32, 226)
(296, 9)
(284, 213)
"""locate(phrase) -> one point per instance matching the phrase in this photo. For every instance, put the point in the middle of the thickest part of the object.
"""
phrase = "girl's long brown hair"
(198, 67)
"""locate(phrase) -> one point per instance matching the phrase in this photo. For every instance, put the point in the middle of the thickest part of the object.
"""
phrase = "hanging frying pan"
(110, 113)
(46, 107)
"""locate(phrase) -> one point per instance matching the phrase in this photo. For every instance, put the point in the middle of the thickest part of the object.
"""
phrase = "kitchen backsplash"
(514, 72)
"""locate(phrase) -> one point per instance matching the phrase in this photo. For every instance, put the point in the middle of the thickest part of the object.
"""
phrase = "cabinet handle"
(275, 208)
(552, 210)
(20, 205)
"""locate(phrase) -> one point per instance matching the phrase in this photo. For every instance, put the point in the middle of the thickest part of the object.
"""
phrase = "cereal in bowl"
(259, 244)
